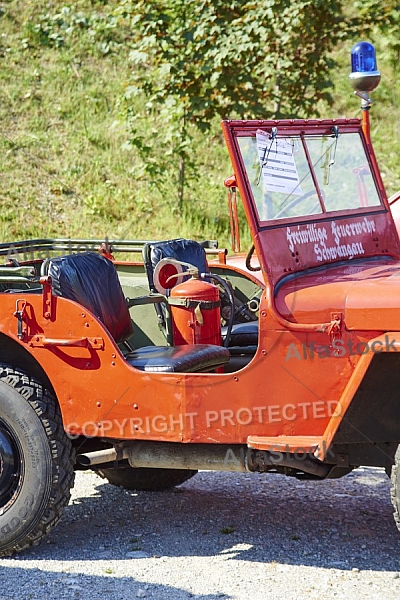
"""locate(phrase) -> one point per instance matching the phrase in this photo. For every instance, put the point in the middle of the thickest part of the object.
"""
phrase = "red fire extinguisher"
(195, 311)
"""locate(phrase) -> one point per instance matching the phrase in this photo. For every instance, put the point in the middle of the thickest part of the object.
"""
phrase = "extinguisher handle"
(191, 269)
(228, 290)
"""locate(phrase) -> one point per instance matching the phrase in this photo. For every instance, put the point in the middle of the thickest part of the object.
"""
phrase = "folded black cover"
(92, 280)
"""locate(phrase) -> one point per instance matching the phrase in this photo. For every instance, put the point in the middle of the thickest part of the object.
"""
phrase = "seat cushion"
(92, 280)
(178, 359)
(243, 334)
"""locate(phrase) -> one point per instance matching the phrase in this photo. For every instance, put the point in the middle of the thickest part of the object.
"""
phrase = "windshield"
(307, 175)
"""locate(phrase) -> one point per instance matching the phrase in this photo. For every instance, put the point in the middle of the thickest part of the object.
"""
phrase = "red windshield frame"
(274, 239)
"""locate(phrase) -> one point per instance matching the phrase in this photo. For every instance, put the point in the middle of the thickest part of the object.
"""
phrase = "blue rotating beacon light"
(364, 78)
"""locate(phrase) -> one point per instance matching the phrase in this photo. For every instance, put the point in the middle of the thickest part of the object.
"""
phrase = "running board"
(291, 444)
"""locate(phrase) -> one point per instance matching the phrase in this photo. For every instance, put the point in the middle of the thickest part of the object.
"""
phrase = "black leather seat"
(180, 249)
(178, 359)
(92, 280)
(244, 336)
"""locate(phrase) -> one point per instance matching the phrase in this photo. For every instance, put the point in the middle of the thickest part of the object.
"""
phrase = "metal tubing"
(99, 457)
(204, 457)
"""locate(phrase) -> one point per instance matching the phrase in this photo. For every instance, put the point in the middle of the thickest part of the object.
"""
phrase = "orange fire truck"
(183, 358)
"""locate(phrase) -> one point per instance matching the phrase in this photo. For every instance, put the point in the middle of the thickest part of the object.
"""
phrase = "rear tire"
(36, 461)
(395, 491)
(144, 479)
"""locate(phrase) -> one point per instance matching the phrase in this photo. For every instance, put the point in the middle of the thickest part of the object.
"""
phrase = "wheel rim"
(11, 467)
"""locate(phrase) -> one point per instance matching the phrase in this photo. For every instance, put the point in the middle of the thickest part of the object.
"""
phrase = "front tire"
(144, 479)
(395, 491)
(36, 462)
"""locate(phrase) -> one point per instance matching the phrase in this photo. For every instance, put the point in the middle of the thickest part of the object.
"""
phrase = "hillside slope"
(66, 165)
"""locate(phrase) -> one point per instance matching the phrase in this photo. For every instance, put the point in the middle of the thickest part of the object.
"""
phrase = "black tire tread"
(395, 489)
(47, 409)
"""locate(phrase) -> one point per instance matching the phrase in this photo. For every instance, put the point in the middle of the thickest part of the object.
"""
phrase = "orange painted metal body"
(298, 387)
(284, 391)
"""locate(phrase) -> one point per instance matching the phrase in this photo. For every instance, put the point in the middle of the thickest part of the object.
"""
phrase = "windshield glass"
(284, 185)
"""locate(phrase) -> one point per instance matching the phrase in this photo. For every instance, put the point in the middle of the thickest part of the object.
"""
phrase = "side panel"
(101, 395)
(284, 391)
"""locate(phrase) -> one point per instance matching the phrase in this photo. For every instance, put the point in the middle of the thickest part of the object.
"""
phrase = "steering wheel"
(296, 201)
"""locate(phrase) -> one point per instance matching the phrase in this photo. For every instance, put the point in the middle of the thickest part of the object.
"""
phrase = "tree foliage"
(234, 58)
(383, 20)
(195, 60)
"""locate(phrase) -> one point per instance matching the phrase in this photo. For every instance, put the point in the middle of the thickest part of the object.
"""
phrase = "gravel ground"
(220, 535)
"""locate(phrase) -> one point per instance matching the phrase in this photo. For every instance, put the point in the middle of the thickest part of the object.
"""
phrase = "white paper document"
(277, 164)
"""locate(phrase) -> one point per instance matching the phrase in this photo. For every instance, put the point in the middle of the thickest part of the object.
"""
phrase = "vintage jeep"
(122, 366)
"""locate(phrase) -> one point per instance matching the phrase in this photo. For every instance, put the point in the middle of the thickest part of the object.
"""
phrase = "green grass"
(65, 108)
